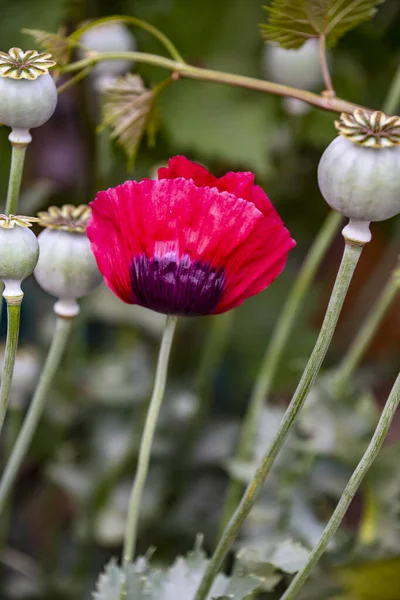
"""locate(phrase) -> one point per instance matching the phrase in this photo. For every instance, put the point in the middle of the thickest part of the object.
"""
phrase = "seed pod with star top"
(66, 268)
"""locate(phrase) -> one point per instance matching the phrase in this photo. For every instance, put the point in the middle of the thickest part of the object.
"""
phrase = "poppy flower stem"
(147, 439)
(325, 67)
(14, 182)
(129, 20)
(13, 316)
(364, 336)
(56, 351)
(349, 262)
(183, 69)
(275, 349)
(349, 492)
(392, 99)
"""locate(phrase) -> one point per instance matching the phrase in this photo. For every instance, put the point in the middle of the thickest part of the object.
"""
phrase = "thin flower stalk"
(147, 439)
(349, 262)
(14, 182)
(364, 336)
(191, 72)
(390, 106)
(349, 492)
(73, 81)
(161, 37)
(325, 67)
(21, 447)
(275, 350)
(13, 316)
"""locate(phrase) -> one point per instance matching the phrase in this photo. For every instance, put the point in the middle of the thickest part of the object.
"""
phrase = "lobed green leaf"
(139, 581)
(293, 22)
(110, 584)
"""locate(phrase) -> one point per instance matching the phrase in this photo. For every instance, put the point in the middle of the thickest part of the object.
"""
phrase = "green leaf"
(250, 562)
(128, 107)
(110, 583)
(242, 587)
(138, 584)
(182, 579)
(139, 581)
(290, 557)
(292, 22)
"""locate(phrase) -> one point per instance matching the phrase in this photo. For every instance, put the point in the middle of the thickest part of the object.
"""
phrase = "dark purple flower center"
(179, 286)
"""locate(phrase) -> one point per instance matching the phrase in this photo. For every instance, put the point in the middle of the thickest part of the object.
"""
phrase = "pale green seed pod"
(28, 94)
(113, 36)
(19, 251)
(359, 172)
(66, 268)
(299, 68)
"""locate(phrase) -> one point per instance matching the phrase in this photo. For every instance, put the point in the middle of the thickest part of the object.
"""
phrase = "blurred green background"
(67, 514)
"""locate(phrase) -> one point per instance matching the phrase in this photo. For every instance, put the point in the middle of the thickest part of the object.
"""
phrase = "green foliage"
(128, 107)
(110, 583)
(292, 22)
(139, 581)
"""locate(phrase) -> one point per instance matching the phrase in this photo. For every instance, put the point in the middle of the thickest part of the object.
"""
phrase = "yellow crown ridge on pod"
(359, 172)
(10, 221)
(17, 64)
(66, 268)
(372, 130)
(28, 93)
(66, 218)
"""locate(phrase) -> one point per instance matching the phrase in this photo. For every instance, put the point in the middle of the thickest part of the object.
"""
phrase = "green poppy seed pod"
(19, 251)
(28, 94)
(359, 172)
(66, 268)
(112, 36)
(299, 68)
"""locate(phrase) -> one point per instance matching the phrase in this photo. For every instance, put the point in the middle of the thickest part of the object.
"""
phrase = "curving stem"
(21, 447)
(349, 492)
(185, 70)
(275, 349)
(325, 67)
(17, 166)
(13, 319)
(147, 439)
(349, 262)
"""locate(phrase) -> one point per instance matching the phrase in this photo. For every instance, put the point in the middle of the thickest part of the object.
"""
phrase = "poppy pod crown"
(189, 243)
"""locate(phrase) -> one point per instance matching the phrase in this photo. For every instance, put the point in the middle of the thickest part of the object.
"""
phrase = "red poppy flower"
(189, 243)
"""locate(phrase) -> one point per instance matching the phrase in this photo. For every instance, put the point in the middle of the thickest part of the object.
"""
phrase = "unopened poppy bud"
(299, 68)
(112, 36)
(28, 94)
(66, 267)
(19, 251)
(359, 172)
